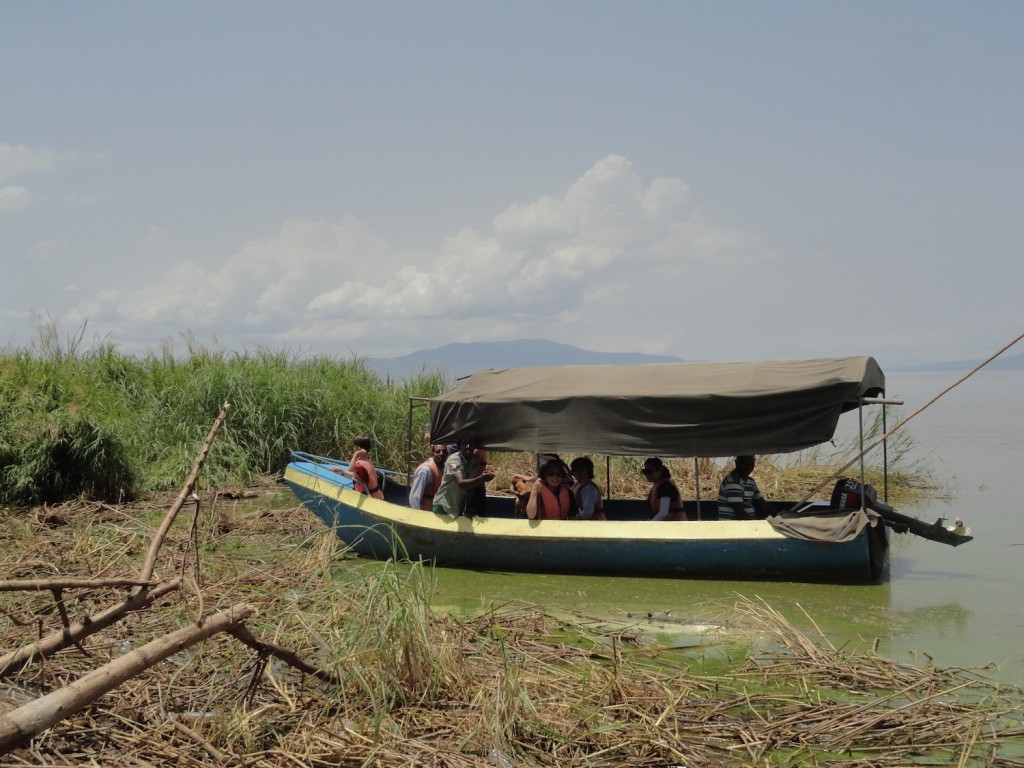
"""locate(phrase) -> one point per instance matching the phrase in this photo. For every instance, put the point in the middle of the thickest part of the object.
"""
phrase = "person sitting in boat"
(460, 474)
(427, 478)
(585, 490)
(361, 469)
(739, 498)
(544, 458)
(550, 497)
(664, 498)
(476, 497)
(523, 484)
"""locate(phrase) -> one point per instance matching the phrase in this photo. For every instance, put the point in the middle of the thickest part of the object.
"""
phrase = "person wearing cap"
(460, 475)
(739, 498)
(544, 458)
(521, 484)
(664, 498)
(550, 497)
(585, 490)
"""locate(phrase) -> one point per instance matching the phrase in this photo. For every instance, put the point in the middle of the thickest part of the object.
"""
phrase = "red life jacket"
(427, 502)
(373, 489)
(555, 507)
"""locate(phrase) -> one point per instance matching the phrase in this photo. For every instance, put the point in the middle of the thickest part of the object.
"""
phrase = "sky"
(712, 180)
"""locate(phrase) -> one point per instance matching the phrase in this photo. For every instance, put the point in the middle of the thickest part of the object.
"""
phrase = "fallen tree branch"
(241, 632)
(40, 585)
(23, 723)
(142, 597)
(15, 660)
(158, 539)
(212, 751)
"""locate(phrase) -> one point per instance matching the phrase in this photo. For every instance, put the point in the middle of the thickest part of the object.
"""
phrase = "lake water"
(959, 607)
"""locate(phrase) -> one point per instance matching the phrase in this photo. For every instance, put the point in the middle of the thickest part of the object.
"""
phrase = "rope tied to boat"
(899, 425)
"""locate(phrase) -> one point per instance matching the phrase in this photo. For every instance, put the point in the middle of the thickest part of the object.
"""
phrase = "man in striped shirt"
(739, 498)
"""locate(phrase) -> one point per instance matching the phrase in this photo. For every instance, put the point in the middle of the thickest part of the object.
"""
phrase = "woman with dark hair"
(550, 497)
(361, 469)
(666, 503)
(585, 490)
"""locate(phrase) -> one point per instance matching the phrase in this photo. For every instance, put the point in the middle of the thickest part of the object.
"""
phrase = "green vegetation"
(102, 424)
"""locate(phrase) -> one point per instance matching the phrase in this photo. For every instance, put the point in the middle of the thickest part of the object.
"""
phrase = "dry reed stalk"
(542, 690)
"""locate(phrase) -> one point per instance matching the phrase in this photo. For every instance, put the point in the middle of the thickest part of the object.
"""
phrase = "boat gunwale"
(389, 512)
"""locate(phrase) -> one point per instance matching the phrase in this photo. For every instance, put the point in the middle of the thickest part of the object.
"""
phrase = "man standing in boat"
(739, 498)
(427, 479)
(460, 475)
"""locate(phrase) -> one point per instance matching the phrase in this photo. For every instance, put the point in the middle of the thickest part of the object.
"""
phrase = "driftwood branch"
(12, 662)
(158, 539)
(212, 751)
(142, 597)
(40, 585)
(21, 724)
(241, 632)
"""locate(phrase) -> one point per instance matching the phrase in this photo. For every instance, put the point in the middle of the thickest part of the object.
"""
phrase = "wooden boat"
(672, 409)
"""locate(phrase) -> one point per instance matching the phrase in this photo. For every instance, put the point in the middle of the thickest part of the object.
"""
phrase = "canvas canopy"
(661, 409)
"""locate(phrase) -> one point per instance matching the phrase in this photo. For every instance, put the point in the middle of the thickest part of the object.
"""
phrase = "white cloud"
(608, 246)
(48, 249)
(83, 200)
(15, 199)
(18, 160)
(154, 236)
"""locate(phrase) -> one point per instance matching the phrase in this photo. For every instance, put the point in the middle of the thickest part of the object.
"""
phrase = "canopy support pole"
(696, 484)
(413, 403)
(885, 458)
(860, 421)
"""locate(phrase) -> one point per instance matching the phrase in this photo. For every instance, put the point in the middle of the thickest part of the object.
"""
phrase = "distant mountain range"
(1005, 363)
(457, 360)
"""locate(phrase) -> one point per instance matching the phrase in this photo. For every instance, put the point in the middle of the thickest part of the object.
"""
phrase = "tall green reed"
(104, 424)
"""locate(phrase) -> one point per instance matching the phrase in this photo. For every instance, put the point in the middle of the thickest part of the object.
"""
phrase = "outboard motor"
(847, 495)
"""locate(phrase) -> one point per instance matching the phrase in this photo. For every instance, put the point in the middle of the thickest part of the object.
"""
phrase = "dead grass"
(781, 477)
(516, 686)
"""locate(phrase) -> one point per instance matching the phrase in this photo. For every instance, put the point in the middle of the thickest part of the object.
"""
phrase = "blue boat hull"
(712, 549)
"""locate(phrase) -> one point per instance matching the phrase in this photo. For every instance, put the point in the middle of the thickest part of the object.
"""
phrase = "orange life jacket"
(655, 499)
(371, 472)
(427, 502)
(555, 507)
(577, 491)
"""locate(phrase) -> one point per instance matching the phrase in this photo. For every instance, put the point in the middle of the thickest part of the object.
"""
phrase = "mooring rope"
(899, 425)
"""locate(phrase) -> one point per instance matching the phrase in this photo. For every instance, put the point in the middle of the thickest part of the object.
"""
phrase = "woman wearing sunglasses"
(666, 503)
